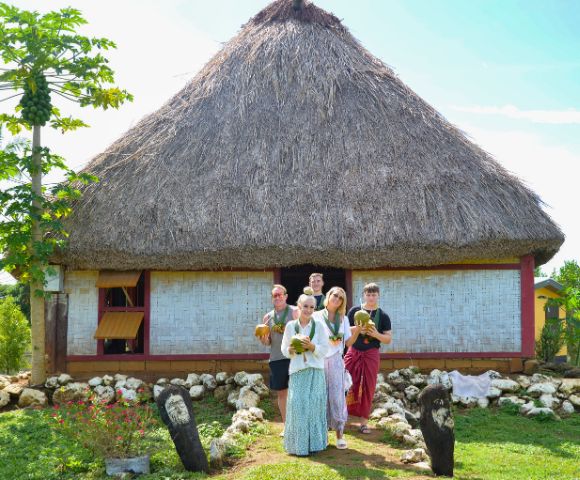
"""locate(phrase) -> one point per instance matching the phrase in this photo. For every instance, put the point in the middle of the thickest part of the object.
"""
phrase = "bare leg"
(282, 396)
(338, 434)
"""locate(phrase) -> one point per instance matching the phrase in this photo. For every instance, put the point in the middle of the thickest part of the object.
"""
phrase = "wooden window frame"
(103, 308)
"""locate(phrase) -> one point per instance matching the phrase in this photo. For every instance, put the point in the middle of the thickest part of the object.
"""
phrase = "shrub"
(14, 336)
(110, 431)
(551, 340)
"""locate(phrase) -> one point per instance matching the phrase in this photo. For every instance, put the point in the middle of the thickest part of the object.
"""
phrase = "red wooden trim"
(277, 275)
(146, 319)
(411, 355)
(527, 303)
(465, 266)
(101, 343)
(140, 357)
(348, 281)
(265, 356)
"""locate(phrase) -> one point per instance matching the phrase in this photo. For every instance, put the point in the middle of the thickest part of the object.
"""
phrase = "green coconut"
(296, 343)
(361, 318)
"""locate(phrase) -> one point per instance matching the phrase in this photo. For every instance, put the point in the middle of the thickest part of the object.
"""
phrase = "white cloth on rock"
(470, 385)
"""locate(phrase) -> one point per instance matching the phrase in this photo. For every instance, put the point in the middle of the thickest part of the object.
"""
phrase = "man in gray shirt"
(276, 319)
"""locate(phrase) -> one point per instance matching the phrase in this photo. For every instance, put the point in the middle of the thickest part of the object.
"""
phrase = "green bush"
(551, 340)
(14, 336)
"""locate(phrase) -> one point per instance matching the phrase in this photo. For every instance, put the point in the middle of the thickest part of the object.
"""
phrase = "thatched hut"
(294, 148)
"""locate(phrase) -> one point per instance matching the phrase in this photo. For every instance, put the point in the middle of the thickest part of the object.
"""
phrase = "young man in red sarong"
(362, 359)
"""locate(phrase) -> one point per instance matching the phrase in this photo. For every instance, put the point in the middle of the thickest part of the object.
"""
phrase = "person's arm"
(354, 330)
(319, 346)
(287, 350)
(385, 336)
(265, 339)
(349, 338)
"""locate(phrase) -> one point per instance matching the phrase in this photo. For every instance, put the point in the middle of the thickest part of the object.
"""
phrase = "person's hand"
(357, 329)
(265, 339)
(291, 350)
(308, 345)
(371, 331)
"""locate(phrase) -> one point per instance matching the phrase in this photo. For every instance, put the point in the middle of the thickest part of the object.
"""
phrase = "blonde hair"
(312, 275)
(281, 287)
(302, 298)
(342, 293)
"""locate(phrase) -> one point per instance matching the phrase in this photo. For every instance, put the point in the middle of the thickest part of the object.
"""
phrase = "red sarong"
(363, 367)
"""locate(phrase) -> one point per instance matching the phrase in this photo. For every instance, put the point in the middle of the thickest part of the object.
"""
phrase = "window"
(121, 328)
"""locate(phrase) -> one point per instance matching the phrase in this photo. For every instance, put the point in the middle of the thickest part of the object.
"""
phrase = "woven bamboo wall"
(449, 311)
(83, 311)
(207, 312)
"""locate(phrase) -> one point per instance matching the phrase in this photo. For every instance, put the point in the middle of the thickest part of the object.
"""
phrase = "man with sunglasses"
(277, 319)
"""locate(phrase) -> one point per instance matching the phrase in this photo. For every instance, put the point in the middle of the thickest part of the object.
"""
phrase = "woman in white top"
(306, 429)
(337, 327)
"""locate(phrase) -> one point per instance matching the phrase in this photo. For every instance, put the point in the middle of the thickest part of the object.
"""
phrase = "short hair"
(342, 308)
(371, 288)
(312, 275)
(282, 287)
(302, 298)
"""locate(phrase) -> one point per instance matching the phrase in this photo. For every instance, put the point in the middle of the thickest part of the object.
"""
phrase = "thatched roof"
(295, 145)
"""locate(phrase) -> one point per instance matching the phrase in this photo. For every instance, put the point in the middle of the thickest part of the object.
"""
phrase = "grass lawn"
(491, 445)
(32, 448)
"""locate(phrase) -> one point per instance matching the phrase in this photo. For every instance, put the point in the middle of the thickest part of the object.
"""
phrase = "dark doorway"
(296, 278)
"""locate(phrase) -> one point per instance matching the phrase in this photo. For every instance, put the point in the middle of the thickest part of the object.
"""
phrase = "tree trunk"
(36, 301)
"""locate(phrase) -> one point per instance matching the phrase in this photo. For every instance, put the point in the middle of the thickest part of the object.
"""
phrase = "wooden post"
(61, 332)
(50, 310)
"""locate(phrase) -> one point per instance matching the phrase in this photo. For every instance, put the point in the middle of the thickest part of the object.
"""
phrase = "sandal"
(341, 444)
(364, 429)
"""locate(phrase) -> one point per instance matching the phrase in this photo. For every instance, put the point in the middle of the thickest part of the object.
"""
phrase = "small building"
(546, 289)
(296, 150)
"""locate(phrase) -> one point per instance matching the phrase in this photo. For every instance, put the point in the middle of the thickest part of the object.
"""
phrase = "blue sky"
(505, 72)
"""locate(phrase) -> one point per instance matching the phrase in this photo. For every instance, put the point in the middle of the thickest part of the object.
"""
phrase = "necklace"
(320, 304)
(280, 322)
(312, 329)
(333, 327)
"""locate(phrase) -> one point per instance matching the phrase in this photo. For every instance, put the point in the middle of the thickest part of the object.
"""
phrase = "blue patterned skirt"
(306, 429)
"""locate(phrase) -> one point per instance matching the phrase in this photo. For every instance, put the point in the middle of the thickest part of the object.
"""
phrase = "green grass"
(309, 469)
(502, 446)
(32, 448)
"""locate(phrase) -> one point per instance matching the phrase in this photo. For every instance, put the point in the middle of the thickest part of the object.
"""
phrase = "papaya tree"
(45, 61)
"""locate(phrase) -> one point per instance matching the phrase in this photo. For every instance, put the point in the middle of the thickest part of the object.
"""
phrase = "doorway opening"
(296, 278)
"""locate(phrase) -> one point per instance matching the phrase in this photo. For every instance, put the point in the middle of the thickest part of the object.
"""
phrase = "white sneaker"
(281, 434)
(341, 444)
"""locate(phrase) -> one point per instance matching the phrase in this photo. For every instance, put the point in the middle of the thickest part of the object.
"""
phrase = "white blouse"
(313, 359)
(344, 329)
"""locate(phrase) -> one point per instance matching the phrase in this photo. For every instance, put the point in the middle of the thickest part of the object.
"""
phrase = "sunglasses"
(337, 295)
(278, 295)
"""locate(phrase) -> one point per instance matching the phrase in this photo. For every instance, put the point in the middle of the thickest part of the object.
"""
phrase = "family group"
(318, 384)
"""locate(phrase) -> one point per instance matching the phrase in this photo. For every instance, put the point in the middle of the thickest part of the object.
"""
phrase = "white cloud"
(158, 52)
(570, 116)
(552, 171)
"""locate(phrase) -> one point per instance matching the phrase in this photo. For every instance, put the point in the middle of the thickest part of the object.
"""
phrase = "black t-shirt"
(319, 301)
(382, 325)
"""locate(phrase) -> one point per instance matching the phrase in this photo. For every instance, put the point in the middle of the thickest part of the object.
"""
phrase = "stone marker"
(176, 411)
(437, 427)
